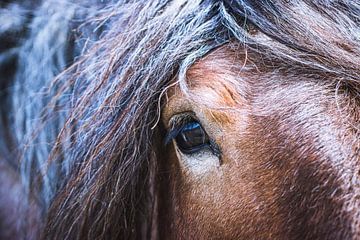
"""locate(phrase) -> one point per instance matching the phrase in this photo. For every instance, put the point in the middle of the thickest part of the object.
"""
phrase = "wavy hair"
(83, 84)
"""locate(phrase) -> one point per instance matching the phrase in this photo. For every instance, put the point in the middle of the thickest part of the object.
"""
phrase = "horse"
(177, 119)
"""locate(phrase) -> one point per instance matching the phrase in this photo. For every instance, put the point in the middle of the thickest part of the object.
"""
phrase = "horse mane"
(82, 85)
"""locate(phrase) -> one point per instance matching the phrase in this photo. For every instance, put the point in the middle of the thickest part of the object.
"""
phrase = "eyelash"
(176, 127)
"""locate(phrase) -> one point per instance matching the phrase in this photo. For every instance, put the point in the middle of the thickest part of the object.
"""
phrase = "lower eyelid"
(200, 162)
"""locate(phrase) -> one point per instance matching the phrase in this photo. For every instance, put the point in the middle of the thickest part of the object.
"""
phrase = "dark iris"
(191, 138)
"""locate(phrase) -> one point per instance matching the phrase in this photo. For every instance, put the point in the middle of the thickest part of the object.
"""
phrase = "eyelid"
(182, 117)
(176, 124)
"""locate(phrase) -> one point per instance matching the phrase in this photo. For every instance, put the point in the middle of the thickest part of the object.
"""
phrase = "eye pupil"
(191, 138)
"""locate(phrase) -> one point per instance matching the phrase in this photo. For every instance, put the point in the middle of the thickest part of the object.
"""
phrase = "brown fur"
(285, 163)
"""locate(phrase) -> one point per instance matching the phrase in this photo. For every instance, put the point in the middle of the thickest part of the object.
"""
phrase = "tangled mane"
(81, 102)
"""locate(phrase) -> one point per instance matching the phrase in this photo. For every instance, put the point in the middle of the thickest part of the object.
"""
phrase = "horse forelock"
(94, 146)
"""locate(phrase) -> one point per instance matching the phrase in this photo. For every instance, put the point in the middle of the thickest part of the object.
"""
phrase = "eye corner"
(170, 135)
(215, 148)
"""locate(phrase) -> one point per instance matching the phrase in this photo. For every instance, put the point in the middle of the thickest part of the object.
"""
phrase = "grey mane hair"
(90, 76)
(42, 57)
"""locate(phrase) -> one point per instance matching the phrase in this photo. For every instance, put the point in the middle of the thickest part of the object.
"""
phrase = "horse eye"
(192, 138)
